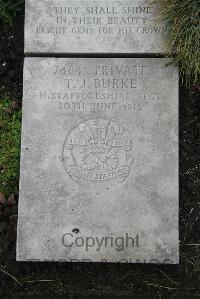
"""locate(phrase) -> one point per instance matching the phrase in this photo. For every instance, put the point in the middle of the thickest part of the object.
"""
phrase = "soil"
(116, 280)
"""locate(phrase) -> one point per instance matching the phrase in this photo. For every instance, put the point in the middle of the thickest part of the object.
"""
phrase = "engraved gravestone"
(93, 26)
(99, 161)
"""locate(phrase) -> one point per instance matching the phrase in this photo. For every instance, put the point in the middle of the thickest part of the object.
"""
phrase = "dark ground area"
(54, 279)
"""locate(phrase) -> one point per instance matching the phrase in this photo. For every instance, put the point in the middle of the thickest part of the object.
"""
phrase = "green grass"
(10, 130)
(183, 20)
(9, 9)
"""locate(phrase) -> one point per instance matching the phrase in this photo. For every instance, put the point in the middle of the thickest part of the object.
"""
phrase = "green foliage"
(183, 20)
(9, 9)
(10, 128)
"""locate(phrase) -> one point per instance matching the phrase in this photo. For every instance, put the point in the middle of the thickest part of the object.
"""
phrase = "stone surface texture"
(99, 161)
(97, 26)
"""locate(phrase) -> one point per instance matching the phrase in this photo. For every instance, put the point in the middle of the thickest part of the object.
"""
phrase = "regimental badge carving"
(97, 150)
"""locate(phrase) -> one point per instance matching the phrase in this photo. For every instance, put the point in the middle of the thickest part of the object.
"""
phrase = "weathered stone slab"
(99, 161)
(93, 26)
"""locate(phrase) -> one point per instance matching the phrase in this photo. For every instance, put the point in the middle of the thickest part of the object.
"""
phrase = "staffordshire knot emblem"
(97, 150)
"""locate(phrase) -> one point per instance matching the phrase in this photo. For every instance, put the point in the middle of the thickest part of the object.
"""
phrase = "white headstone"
(93, 26)
(99, 161)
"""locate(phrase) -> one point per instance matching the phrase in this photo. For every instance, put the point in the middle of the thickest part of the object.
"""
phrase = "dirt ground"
(54, 279)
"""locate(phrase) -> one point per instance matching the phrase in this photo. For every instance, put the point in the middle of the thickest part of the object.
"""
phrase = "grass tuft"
(10, 130)
(9, 9)
(183, 20)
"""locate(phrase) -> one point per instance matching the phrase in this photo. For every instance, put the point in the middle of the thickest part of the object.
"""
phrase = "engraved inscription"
(100, 20)
(59, 26)
(97, 150)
